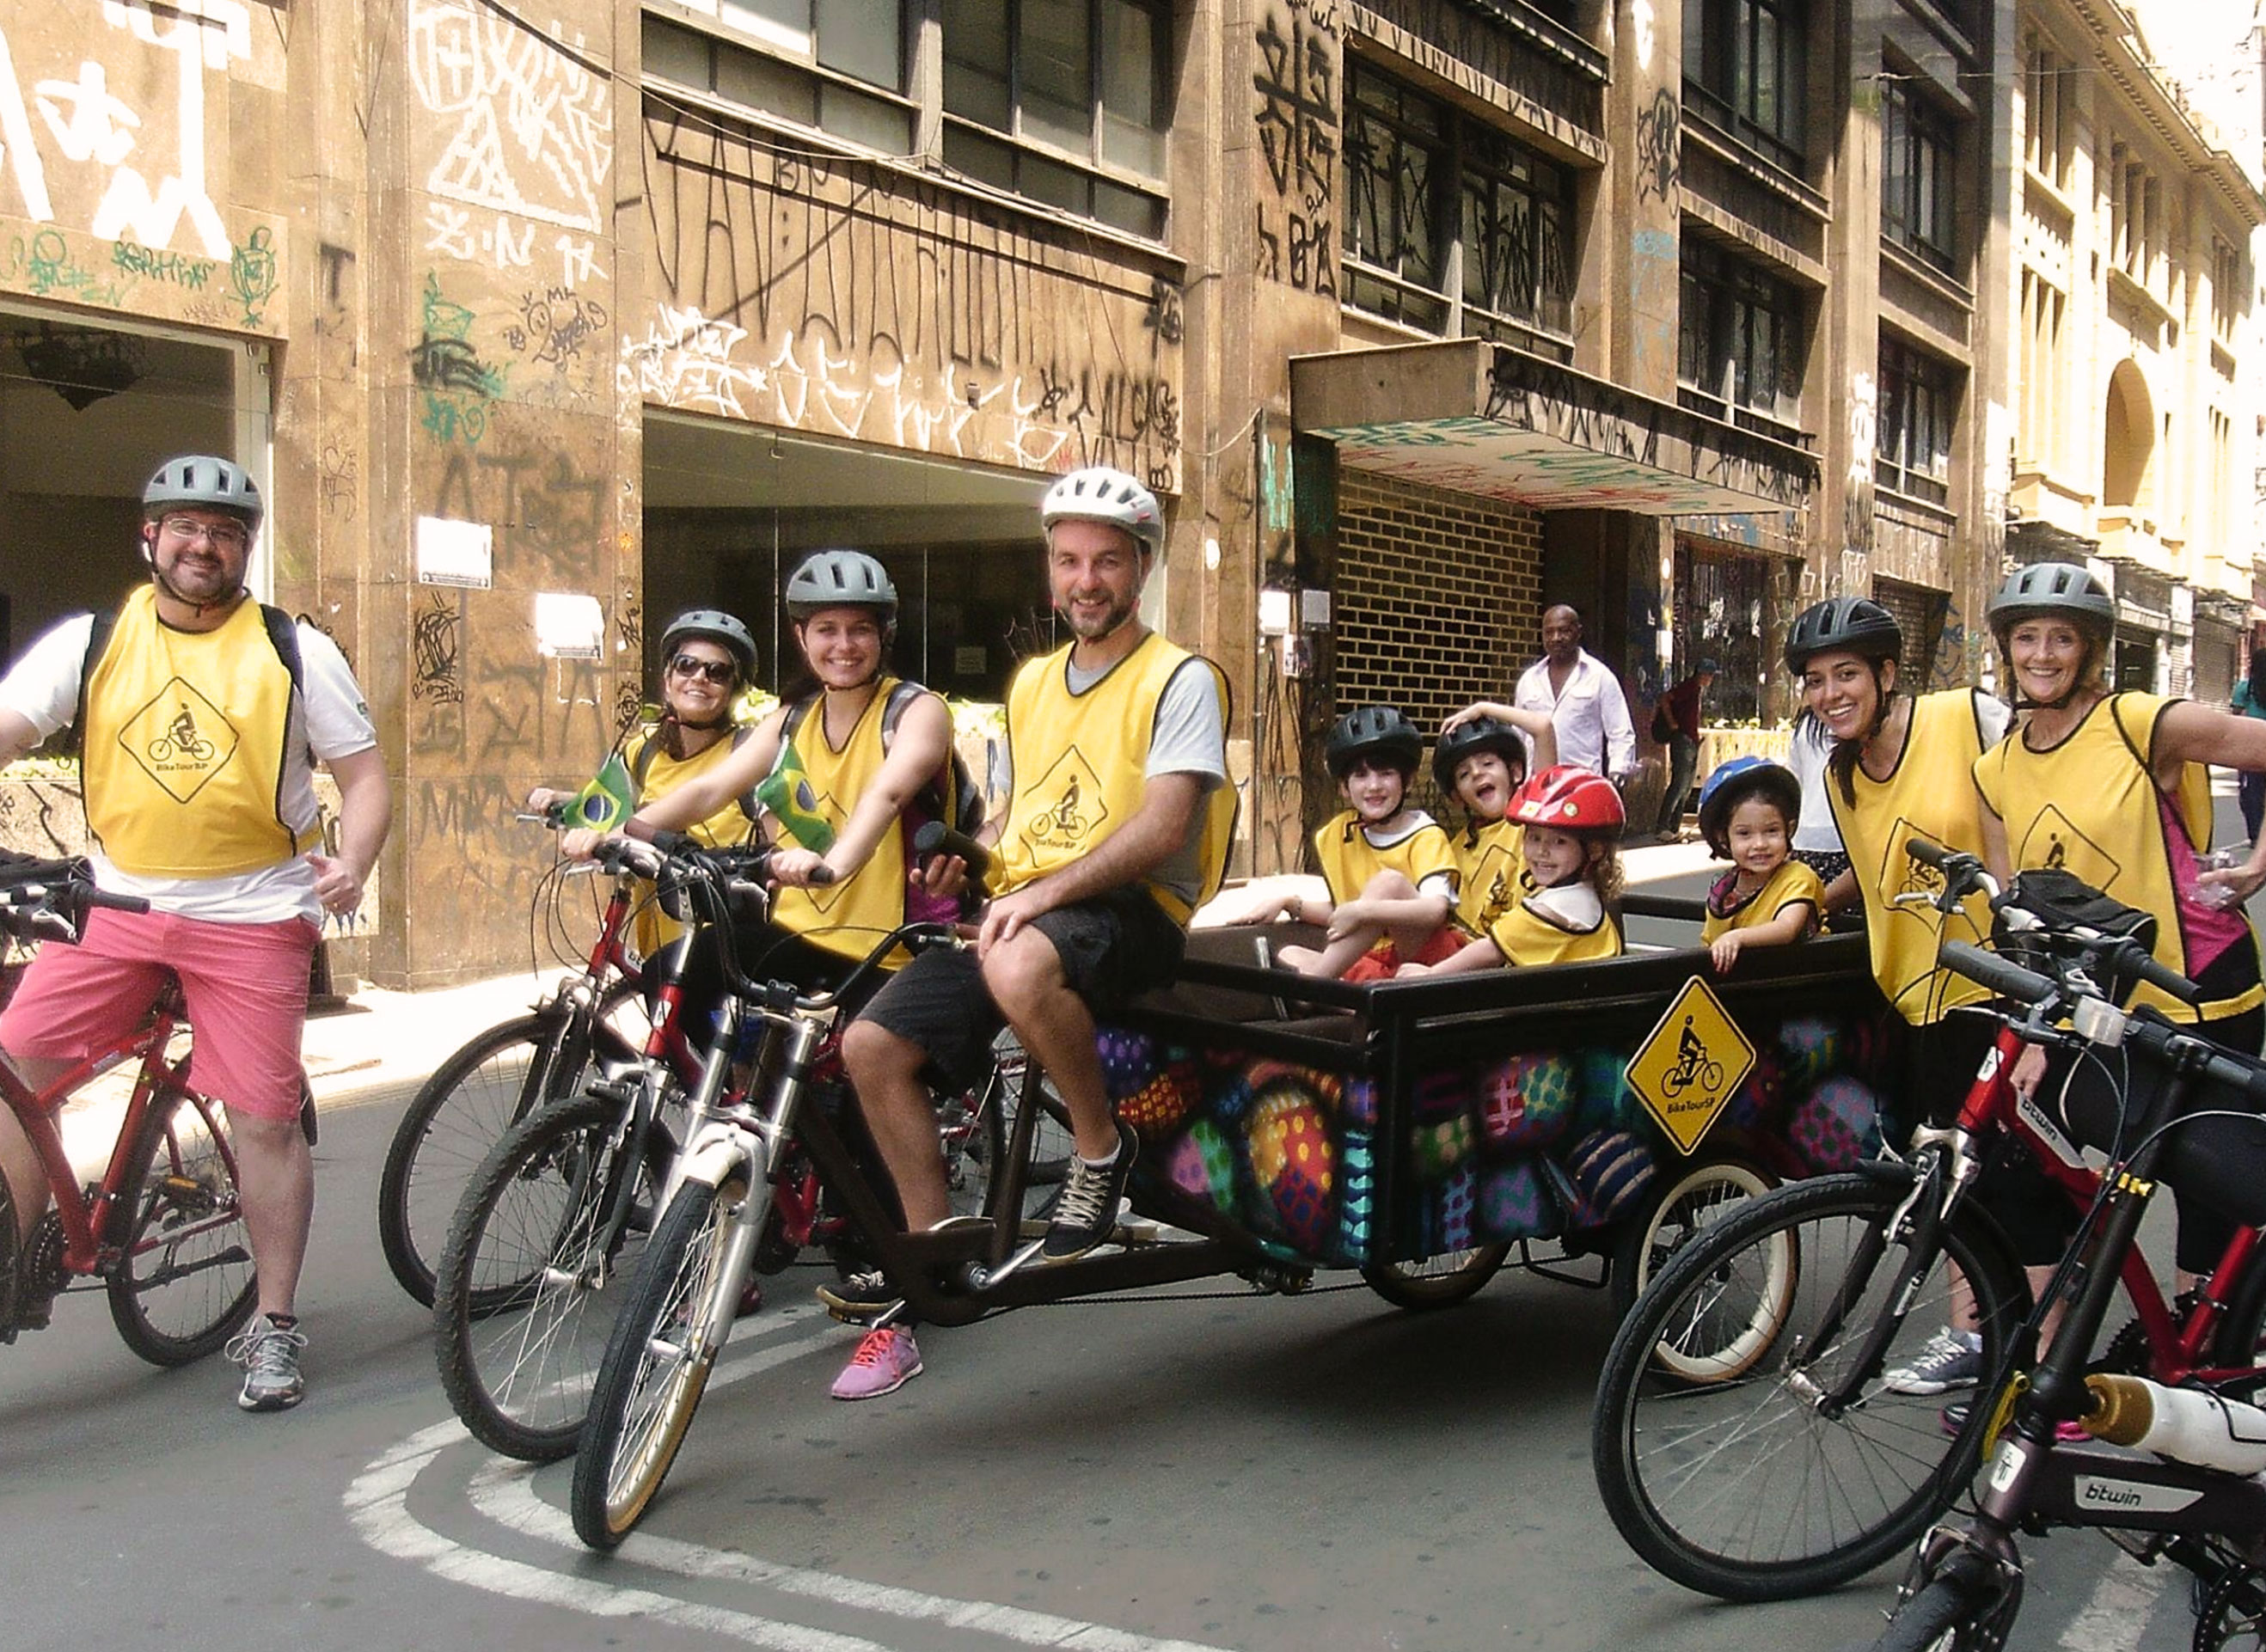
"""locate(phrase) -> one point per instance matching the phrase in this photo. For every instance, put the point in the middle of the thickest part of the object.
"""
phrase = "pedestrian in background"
(2249, 787)
(1676, 725)
(1581, 699)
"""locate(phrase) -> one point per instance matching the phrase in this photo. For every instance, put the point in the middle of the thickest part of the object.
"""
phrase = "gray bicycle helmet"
(206, 480)
(841, 579)
(1482, 733)
(1099, 494)
(1373, 730)
(2061, 589)
(1856, 624)
(717, 627)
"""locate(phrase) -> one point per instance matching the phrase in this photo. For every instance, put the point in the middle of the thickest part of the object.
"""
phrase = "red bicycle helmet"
(1569, 799)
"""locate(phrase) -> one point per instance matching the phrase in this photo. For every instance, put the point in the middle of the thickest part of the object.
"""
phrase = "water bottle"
(2217, 897)
(2184, 1424)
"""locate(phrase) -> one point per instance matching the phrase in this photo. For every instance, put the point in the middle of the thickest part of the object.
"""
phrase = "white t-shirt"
(329, 719)
(1806, 753)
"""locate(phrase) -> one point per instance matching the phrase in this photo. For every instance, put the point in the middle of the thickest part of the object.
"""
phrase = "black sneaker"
(1086, 1210)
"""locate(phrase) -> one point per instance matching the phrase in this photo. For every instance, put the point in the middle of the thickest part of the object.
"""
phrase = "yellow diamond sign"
(1689, 1064)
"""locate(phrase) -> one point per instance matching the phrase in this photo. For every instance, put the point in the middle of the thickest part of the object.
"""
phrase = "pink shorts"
(245, 984)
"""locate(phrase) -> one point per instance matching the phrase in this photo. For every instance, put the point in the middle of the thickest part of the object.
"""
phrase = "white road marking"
(502, 1490)
(2120, 1605)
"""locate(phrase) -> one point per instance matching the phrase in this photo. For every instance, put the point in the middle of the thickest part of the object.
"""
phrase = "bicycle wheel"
(532, 1271)
(656, 1363)
(2233, 1617)
(497, 1078)
(1436, 1281)
(1721, 1448)
(972, 1131)
(184, 1282)
(1964, 1608)
(1699, 1198)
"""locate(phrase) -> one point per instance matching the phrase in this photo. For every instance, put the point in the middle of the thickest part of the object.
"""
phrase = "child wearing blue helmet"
(1747, 814)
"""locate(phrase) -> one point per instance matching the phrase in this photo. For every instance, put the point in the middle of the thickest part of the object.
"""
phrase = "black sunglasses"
(717, 671)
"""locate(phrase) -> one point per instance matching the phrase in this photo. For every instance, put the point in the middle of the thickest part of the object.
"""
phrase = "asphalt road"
(1234, 1472)
(1228, 1471)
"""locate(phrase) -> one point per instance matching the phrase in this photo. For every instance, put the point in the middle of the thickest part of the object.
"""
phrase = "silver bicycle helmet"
(717, 627)
(841, 579)
(1099, 494)
(2060, 589)
(206, 480)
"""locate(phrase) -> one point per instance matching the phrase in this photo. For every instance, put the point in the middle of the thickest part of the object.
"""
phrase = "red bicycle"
(162, 1231)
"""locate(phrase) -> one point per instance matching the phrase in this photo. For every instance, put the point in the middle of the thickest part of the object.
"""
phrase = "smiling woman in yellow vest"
(866, 759)
(2115, 789)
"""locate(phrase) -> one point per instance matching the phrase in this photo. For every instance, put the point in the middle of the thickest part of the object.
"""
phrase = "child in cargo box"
(1747, 814)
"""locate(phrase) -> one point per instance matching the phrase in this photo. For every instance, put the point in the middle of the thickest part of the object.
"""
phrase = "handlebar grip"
(2236, 1074)
(822, 875)
(2133, 956)
(115, 903)
(937, 838)
(675, 843)
(2008, 980)
(1928, 852)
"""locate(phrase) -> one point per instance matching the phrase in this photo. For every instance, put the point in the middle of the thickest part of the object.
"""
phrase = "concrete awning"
(1480, 417)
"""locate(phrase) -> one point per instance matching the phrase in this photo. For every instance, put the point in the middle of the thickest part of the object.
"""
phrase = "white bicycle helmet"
(1099, 494)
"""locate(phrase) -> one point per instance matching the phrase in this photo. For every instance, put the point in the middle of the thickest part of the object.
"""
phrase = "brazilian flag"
(607, 802)
(787, 793)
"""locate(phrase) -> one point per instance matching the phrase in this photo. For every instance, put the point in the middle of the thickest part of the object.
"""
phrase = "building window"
(2135, 215)
(2046, 373)
(1738, 337)
(1062, 101)
(2046, 88)
(1919, 398)
(817, 63)
(1743, 69)
(1918, 144)
(2225, 289)
(1452, 226)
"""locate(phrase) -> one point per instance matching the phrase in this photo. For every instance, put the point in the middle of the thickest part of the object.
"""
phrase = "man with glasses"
(201, 715)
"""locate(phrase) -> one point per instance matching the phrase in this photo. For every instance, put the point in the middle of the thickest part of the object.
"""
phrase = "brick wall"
(1438, 598)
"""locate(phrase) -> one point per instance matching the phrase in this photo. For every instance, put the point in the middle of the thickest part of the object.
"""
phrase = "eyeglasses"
(222, 535)
(719, 672)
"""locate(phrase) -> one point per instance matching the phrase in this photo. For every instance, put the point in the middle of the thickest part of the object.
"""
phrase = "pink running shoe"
(885, 1362)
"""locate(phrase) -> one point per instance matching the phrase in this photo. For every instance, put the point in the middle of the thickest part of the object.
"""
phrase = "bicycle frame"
(85, 1213)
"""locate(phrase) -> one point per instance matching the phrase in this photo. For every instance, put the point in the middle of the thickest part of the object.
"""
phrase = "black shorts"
(1113, 949)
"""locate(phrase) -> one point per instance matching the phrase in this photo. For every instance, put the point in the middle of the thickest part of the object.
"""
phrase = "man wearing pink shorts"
(202, 714)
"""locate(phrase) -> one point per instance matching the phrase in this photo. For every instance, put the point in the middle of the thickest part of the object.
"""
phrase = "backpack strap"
(98, 639)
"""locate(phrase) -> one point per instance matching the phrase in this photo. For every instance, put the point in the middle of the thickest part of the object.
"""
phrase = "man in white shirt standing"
(1581, 699)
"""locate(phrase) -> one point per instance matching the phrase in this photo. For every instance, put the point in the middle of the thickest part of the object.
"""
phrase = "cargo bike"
(1422, 1134)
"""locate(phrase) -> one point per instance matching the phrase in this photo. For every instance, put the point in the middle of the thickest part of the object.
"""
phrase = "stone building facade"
(544, 321)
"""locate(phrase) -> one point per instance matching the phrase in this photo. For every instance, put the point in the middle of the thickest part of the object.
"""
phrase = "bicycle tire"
(529, 1278)
(1718, 1472)
(489, 1083)
(1435, 1282)
(1702, 1195)
(648, 1385)
(8, 1249)
(184, 1281)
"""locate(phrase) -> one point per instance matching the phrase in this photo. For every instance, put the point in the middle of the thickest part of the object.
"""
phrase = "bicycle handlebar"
(935, 838)
(50, 899)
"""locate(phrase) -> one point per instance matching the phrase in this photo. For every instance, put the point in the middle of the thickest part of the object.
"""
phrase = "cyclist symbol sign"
(1689, 1064)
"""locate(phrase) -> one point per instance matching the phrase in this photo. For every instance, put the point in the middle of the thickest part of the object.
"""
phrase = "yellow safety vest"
(848, 917)
(1791, 883)
(1350, 857)
(1081, 767)
(2089, 806)
(1931, 796)
(184, 746)
(1488, 864)
(1527, 939)
(658, 775)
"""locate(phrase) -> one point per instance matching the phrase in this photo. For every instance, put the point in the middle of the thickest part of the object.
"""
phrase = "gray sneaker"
(1951, 1359)
(269, 1354)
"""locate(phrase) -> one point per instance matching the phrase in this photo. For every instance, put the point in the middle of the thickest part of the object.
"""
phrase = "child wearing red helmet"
(1571, 821)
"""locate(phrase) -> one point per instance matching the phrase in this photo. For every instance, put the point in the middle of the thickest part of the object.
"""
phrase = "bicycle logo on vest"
(180, 739)
(1077, 807)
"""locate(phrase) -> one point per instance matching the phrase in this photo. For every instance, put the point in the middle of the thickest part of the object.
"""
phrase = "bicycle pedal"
(852, 1309)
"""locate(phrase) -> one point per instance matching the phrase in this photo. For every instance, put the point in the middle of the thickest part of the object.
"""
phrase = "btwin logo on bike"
(2093, 1493)
(180, 739)
(1071, 808)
